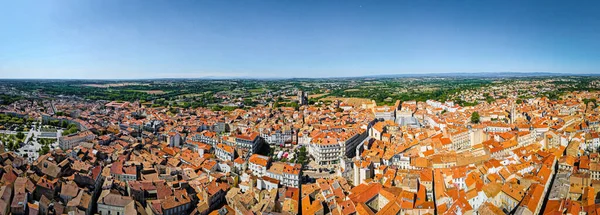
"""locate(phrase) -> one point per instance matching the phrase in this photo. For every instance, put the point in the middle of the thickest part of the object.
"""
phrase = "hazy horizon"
(400, 75)
(294, 39)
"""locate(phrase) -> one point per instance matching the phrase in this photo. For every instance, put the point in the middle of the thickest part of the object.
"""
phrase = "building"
(258, 164)
(214, 195)
(5, 195)
(70, 141)
(121, 173)
(287, 174)
(524, 138)
(386, 112)
(19, 203)
(327, 152)
(207, 137)
(21, 196)
(532, 202)
(178, 203)
(511, 195)
(225, 152)
(362, 170)
(460, 139)
(250, 141)
(278, 136)
(115, 204)
(350, 144)
(175, 139)
(302, 97)
(267, 183)
(68, 191)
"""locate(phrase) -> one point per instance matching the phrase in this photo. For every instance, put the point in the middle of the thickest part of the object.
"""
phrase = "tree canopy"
(475, 117)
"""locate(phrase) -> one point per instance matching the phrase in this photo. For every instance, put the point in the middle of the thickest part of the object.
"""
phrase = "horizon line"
(393, 75)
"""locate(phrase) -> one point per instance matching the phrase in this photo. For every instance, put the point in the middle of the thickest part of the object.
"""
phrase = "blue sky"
(285, 38)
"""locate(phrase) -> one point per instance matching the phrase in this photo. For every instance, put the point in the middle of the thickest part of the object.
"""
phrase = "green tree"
(217, 108)
(302, 155)
(64, 124)
(475, 117)
(248, 102)
(69, 131)
(72, 126)
(588, 101)
(230, 108)
(45, 149)
(15, 146)
(20, 135)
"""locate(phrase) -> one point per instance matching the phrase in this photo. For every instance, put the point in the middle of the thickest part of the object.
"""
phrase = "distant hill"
(478, 75)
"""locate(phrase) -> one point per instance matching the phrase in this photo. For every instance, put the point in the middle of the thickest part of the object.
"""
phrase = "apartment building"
(287, 174)
(225, 152)
(258, 164)
(70, 141)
